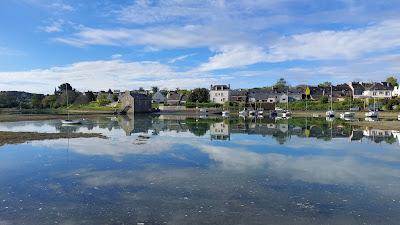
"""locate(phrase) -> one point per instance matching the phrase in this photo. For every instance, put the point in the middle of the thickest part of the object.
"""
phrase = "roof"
(139, 95)
(220, 87)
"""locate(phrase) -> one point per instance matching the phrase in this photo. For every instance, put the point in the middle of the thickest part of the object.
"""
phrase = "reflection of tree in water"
(198, 128)
(67, 129)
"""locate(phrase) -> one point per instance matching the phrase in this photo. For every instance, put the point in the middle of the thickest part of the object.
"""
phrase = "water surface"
(177, 170)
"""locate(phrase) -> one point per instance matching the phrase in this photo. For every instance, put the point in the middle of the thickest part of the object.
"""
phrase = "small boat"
(347, 115)
(244, 112)
(71, 122)
(225, 113)
(330, 113)
(286, 114)
(252, 113)
(68, 121)
(273, 113)
(398, 117)
(372, 114)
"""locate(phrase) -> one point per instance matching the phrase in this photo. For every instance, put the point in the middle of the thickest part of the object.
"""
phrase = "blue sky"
(128, 44)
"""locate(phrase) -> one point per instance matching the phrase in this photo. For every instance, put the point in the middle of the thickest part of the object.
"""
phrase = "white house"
(396, 91)
(220, 93)
(378, 90)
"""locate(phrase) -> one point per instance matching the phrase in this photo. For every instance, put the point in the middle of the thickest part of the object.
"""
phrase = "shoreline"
(7, 137)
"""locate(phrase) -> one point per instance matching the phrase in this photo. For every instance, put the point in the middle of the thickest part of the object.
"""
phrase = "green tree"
(392, 81)
(154, 89)
(49, 101)
(281, 84)
(102, 100)
(199, 95)
(36, 101)
(90, 96)
(325, 84)
(65, 86)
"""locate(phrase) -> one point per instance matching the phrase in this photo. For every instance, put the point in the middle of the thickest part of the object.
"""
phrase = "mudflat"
(22, 137)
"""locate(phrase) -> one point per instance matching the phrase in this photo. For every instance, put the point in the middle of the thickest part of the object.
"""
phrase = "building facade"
(132, 102)
(220, 93)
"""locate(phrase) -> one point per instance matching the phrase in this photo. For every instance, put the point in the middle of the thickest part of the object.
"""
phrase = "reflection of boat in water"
(371, 119)
(71, 122)
(243, 113)
(286, 114)
(330, 114)
(372, 114)
(347, 115)
(225, 113)
(330, 118)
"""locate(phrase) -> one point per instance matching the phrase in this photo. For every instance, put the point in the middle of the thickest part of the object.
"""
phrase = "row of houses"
(357, 90)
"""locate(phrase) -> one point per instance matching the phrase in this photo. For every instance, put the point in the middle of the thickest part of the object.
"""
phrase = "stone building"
(220, 93)
(132, 102)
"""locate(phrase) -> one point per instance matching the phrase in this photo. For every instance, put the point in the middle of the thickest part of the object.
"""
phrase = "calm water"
(176, 170)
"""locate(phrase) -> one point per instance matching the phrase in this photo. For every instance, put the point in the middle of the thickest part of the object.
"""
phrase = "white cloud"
(163, 37)
(233, 57)
(101, 75)
(60, 6)
(346, 44)
(180, 58)
(55, 26)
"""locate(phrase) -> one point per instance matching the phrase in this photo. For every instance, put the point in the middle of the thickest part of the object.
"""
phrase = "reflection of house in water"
(377, 135)
(135, 124)
(219, 131)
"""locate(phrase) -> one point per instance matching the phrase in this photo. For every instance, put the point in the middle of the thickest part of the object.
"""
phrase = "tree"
(36, 101)
(141, 89)
(90, 96)
(325, 84)
(199, 95)
(103, 100)
(65, 86)
(281, 84)
(109, 91)
(49, 101)
(154, 89)
(392, 81)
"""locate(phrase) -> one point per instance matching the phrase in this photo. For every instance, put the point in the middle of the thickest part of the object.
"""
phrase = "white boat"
(225, 113)
(371, 119)
(71, 122)
(252, 112)
(260, 112)
(286, 114)
(398, 117)
(347, 115)
(244, 112)
(372, 114)
(330, 113)
(68, 121)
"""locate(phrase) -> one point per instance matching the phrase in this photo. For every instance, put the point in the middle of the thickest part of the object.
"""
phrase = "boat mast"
(331, 98)
(287, 99)
(374, 100)
(66, 91)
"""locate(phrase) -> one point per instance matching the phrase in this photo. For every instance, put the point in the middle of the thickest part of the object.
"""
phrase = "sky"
(127, 44)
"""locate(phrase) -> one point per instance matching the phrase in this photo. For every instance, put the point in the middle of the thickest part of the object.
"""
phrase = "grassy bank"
(22, 137)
